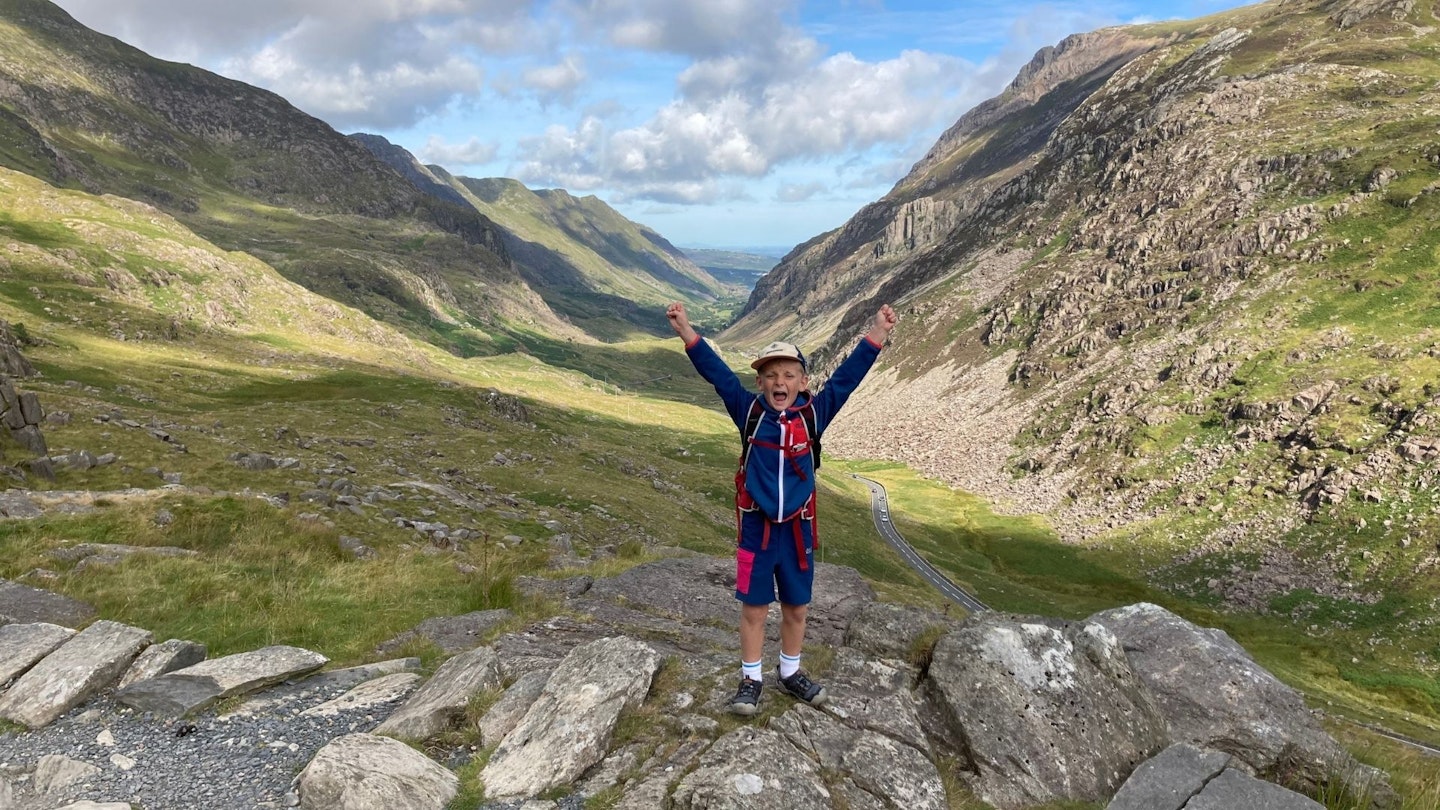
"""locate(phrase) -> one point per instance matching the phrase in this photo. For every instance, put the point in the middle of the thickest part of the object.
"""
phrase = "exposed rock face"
(1183, 776)
(1214, 695)
(182, 691)
(1045, 711)
(12, 362)
(366, 772)
(443, 698)
(1024, 709)
(83, 665)
(568, 727)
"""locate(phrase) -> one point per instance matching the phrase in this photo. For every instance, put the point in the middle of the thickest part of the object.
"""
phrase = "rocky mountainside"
(593, 266)
(1175, 284)
(620, 701)
(247, 171)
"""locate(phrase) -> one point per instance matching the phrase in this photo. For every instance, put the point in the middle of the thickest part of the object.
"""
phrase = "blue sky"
(726, 123)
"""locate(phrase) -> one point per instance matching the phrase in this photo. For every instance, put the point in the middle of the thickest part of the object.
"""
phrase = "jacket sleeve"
(844, 381)
(732, 392)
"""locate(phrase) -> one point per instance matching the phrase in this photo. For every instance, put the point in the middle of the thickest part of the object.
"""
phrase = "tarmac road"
(880, 512)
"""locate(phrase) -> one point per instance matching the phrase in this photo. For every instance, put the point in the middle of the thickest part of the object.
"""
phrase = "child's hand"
(883, 324)
(680, 322)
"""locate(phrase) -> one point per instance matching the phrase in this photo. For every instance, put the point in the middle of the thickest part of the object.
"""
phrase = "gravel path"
(204, 762)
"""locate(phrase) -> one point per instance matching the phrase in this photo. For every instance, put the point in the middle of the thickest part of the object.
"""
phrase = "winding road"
(880, 512)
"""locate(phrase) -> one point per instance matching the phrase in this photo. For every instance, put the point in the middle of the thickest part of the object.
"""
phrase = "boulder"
(195, 687)
(507, 711)
(436, 705)
(382, 690)
(1213, 695)
(1234, 789)
(367, 772)
(88, 662)
(1047, 710)
(568, 728)
(886, 630)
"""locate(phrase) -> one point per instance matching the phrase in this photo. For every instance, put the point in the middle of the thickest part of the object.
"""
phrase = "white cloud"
(799, 192)
(356, 63)
(815, 110)
(698, 28)
(473, 152)
(557, 82)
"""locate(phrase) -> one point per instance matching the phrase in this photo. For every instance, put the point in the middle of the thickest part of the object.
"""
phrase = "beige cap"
(780, 350)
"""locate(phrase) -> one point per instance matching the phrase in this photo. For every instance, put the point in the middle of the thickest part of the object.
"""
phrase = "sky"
(718, 123)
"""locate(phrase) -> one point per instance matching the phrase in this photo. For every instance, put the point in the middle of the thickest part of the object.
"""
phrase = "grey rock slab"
(875, 695)
(569, 727)
(22, 645)
(88, 662)
(1169, 779)
(385, 689)
(752, 769)
(897, 773)
(195, 687)
(1234, 789)
(1048, 710)
(649, 789)
(1214, 695)
(26, 604)
(453, 634)
(507, 711)
(310, 690)
(89, 805)
(17, 505)
(55, 772)
(158, 659)
(368, 772)
(437, 704)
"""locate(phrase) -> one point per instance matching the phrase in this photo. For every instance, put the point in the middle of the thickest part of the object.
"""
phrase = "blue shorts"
(762, 573)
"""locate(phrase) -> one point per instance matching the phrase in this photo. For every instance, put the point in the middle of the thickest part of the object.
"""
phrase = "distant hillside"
(1174, 288)
(734, 266)
(247, 171)
(599, 270)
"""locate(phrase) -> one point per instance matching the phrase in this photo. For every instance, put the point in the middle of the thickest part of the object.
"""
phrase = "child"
(775, 490)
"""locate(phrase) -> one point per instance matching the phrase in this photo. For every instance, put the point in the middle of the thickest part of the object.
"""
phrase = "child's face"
(781, 381)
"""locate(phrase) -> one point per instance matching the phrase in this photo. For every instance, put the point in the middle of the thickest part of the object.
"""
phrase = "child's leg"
(792, 628)
(752, 631)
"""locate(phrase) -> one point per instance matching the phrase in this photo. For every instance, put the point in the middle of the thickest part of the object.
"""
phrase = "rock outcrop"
(1132, 706)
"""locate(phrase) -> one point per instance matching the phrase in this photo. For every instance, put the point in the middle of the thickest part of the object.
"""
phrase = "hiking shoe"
(802, 688)
(747, 698)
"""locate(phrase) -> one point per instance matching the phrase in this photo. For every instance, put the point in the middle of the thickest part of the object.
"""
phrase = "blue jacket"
(781, 487)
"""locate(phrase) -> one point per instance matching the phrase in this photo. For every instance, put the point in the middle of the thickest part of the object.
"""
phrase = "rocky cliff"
(1174, 282)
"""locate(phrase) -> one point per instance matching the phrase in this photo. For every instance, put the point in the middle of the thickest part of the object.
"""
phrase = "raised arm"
(882, 325)
(680, 322)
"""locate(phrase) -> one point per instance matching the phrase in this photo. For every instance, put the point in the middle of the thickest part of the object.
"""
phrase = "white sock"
(789, 665)
(751, 670)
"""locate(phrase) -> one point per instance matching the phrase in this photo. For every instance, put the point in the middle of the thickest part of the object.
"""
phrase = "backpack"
(752, 424)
